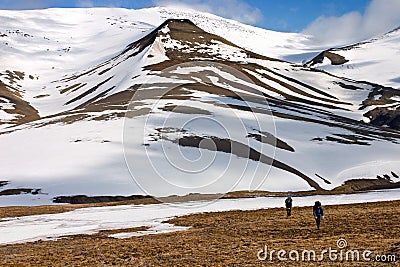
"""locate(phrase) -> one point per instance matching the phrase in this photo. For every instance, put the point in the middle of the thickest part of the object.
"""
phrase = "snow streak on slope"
(58, 42)
(188, 92)
(376, 61)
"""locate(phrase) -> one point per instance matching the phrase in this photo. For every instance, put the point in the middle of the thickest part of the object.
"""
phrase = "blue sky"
(330, 21)
(295, 15)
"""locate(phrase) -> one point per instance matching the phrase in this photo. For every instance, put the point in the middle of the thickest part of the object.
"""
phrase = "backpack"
(316, 205)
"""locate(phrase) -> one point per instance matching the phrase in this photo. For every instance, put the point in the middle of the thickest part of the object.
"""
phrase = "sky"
(341, 21)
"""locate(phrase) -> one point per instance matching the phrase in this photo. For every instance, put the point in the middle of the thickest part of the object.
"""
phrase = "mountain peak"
(82, 105)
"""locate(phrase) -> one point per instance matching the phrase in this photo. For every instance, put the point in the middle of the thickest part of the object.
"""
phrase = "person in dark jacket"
(318, 212)
(288, 204)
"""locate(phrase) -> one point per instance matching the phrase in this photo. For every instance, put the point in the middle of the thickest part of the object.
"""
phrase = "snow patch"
(92, 220)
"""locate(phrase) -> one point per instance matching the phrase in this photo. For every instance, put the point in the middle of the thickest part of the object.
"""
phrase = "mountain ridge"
(309, 114)
(374, 58)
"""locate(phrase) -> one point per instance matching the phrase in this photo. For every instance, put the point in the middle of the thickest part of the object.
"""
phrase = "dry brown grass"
(349, 187)
(15, 211)
(225, 239)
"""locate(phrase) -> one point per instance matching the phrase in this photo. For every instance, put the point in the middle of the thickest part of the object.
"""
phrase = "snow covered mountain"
(375, 60)
(182, 102)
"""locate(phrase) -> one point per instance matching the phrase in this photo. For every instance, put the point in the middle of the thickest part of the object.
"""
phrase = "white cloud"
(85, 3)
(380, 17)
(232, 9)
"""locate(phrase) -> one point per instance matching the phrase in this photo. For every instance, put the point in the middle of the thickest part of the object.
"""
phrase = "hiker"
(288, 204)
(318, 212)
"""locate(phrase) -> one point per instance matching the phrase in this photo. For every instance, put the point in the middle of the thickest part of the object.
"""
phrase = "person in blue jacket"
(288, 204)
(318, 212)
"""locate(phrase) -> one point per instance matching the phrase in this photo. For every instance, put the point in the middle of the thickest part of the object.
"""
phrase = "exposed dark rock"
(348, 86)
(23, 111)
(323, 179)
(243, 151)
(82, 199)
(344, 141)
(384, 117)
(357, 185)
(18, 191)
(317, 139)
(334, 58)
(387, 177)
(268, 138)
